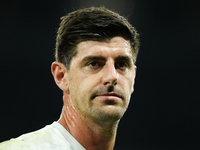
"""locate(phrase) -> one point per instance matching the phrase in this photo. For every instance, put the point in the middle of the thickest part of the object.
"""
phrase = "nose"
(110, 75)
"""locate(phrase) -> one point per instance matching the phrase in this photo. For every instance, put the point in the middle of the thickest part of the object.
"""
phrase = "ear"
(134, 75)
(60, 75)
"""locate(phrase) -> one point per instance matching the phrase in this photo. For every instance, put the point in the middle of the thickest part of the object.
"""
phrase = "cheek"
(130, 82)
(80, 86)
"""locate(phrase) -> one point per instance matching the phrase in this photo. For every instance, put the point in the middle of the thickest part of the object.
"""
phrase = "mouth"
(109, 96)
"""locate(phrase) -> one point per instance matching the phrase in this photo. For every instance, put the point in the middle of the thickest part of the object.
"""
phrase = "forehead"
(113, 47)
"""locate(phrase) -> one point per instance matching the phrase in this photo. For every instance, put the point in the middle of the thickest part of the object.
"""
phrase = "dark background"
(164, 110)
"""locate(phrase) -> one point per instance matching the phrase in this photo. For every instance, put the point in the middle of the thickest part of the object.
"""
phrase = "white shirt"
(51, 137)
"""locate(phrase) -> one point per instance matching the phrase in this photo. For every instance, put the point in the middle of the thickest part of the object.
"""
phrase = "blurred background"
(164, 110)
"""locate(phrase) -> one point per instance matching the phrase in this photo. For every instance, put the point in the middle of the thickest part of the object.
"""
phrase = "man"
(96, 51)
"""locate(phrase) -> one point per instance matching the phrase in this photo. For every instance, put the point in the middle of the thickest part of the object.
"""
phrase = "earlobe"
(59, 73)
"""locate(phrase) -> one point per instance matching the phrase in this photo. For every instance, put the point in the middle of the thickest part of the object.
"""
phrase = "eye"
(94, 64)
(121, 65)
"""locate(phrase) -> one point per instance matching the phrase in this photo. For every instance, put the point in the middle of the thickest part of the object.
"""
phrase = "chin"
(111, 113)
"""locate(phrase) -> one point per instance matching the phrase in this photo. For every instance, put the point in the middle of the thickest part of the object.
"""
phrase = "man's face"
(101, 79)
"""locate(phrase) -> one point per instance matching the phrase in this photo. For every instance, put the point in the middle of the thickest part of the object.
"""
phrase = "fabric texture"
(51, 137)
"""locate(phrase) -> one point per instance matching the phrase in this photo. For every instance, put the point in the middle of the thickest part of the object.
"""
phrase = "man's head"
(96, 51)
(97, 24)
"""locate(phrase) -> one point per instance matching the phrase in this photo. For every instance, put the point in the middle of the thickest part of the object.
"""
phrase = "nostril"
(111, 83)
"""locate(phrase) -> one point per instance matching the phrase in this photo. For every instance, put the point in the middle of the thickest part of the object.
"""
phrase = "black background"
(164, 110)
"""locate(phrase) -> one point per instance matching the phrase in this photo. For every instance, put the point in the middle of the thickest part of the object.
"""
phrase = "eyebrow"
(124, 58)
(101, 58)
(89, 58)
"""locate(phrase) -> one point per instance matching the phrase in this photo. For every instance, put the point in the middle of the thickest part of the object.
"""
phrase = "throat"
(89, 133)
(90, 136)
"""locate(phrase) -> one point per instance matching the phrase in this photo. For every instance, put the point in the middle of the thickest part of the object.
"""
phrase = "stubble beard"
(109, 112)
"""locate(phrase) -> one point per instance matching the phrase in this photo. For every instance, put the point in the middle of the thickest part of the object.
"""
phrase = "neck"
(91, 135)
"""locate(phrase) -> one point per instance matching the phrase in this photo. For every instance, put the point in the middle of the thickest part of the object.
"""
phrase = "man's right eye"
(93, 64)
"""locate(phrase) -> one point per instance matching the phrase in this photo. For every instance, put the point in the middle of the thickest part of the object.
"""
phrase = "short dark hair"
(94, 23)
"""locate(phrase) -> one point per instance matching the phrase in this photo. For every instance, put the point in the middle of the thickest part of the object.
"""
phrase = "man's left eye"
(120, 65)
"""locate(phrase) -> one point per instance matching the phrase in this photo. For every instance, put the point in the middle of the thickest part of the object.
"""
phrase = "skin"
(97, 90)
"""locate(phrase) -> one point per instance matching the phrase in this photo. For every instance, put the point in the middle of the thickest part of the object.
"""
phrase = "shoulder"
(14, 144)
(51, 137)
(47, 138)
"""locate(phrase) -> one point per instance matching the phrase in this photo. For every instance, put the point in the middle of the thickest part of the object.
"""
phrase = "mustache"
(109, 89)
